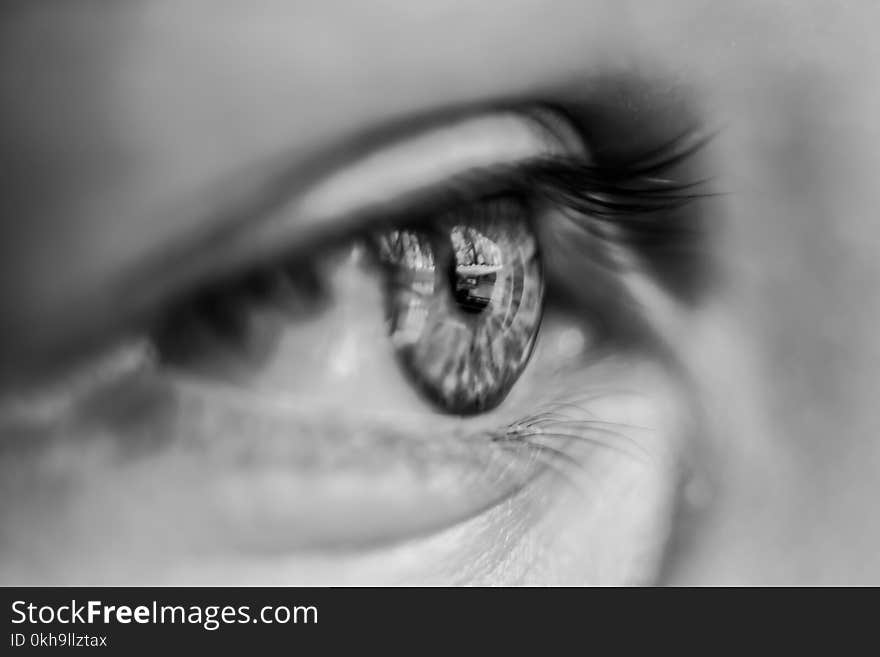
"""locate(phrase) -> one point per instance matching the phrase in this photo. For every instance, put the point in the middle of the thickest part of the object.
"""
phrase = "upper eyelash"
(600, 191)
(638, 186)
(628, 194)
(641, 205)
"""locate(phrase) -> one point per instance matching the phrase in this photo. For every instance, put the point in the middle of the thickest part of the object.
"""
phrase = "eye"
(464, 302)
(462, 294)
(437, 344)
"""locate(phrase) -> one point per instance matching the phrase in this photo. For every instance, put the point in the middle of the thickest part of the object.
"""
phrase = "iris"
(464, 302)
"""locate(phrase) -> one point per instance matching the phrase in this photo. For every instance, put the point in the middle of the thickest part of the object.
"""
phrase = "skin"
(146, 104)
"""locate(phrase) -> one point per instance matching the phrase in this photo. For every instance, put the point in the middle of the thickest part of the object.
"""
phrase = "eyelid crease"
(497, 139)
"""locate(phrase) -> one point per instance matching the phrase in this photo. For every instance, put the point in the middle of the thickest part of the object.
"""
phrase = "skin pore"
(117, 112)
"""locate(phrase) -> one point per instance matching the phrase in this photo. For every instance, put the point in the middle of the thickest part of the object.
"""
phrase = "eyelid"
(281, 207)
(501, 138)
(398, 176)
(391, 178)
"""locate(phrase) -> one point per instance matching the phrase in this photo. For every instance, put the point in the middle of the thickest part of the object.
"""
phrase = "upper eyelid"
(280, 214)
(226, 217)
(499, 138)
(219, 235)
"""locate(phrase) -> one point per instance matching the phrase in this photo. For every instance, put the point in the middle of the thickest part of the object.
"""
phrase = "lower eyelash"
(550, 435)
(207, 420)
(489, 466)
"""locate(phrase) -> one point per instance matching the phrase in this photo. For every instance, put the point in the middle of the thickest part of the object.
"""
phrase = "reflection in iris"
(465, 303)
(477, 263)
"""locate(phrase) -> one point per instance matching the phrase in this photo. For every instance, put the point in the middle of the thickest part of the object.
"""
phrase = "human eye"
(440, 359)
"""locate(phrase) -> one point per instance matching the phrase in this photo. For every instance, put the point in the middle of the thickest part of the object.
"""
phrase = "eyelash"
(646, 205)
(635, 188)
(634, 198)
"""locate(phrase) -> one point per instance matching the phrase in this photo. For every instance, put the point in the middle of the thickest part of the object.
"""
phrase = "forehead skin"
(112, 111)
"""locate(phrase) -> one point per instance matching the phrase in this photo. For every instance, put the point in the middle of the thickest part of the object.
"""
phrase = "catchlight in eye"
(464, 302)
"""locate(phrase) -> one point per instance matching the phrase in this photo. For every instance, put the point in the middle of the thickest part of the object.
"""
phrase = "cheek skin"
(86, 512)
(602, 519)
(613, 524)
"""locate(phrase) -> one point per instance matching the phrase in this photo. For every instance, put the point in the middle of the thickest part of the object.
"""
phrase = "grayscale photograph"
(433, 293)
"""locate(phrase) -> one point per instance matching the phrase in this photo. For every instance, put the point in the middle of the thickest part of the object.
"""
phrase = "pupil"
(473, 293)
(477, 262)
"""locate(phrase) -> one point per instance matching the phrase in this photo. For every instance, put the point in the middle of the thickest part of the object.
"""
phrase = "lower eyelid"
(521, 492)
(266, 481)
